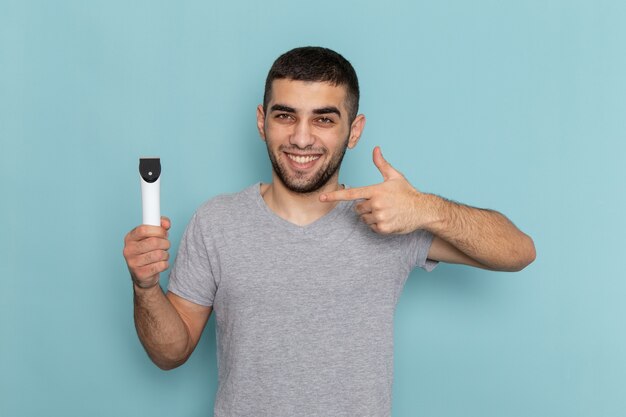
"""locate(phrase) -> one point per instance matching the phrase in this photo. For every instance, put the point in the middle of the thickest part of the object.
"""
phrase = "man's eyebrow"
(321, 110)
(327, 110)
(281, 107)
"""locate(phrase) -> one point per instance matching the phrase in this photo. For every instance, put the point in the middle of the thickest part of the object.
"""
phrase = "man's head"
(308, 118)
(315, 64)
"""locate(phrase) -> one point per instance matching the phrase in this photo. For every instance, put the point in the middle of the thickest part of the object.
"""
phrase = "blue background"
(514, 105)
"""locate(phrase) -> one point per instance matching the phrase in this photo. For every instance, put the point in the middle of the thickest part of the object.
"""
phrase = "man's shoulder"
(228, 205)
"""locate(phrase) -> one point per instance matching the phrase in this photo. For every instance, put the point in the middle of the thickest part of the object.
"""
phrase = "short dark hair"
(313, 63)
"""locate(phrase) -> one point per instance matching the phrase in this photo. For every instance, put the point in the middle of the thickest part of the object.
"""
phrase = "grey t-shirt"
(304, 315)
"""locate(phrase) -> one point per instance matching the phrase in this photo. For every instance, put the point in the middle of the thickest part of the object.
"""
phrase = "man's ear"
(260, 121)
(358, 124)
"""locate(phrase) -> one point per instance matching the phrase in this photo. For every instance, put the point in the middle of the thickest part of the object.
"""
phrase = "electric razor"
(150, 174)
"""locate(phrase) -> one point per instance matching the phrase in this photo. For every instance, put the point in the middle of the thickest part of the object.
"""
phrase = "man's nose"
(302, 135)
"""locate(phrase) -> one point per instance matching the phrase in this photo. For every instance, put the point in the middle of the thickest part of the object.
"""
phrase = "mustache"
(309, 148)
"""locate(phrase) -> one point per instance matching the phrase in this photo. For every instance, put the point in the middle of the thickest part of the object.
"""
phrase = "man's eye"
(283, 116)
(325, 120)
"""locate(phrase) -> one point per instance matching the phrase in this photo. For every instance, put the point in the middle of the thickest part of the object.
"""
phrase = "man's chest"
(294, 276)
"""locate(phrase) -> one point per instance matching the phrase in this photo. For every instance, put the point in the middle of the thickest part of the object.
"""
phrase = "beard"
(300, 181)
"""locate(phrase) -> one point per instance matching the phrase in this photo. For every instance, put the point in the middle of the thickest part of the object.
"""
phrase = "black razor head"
(150, 169)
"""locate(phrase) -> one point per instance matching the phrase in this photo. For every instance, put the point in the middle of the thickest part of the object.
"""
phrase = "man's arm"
(169, 327)
(477, 237)
(481, 238)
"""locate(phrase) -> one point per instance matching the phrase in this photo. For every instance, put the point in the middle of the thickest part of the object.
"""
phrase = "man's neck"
(297, 208)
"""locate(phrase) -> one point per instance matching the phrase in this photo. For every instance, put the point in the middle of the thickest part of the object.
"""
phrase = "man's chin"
(304, 186)
(300, 188)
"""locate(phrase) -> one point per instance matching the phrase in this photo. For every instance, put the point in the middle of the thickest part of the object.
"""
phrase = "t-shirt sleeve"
(192, 276)
(421, 240)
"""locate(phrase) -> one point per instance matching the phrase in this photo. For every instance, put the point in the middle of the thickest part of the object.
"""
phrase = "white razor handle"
(150, 176)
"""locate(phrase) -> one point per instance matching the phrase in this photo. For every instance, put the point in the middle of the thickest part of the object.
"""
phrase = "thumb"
(388, 172)
(165, 222)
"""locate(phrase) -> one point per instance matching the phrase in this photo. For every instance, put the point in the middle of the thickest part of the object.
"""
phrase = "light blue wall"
(518, 106)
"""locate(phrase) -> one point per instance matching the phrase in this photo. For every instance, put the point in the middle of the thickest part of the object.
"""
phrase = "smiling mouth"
(303, 159)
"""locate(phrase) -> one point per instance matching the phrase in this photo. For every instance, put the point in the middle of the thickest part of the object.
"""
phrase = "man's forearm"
(484, 235)
(162, 332)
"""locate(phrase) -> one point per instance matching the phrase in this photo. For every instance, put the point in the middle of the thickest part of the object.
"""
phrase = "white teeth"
(303, 159)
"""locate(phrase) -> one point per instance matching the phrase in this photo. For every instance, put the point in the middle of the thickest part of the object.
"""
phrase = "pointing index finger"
(347, 195)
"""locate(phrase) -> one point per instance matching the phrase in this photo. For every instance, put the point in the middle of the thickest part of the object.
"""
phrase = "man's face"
(306, 130)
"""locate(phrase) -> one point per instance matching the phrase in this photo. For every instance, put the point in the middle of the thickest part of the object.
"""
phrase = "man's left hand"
(393, 206)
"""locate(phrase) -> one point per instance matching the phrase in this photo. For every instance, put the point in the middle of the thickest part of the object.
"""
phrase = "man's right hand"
(146, 253)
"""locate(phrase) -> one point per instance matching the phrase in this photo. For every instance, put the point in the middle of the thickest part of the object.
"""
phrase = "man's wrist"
(433, 212)
(140, 286)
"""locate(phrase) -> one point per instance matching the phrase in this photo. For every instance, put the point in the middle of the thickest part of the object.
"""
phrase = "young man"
(304, 274)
